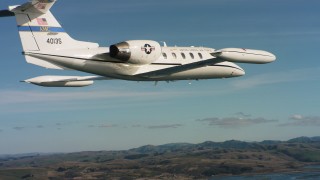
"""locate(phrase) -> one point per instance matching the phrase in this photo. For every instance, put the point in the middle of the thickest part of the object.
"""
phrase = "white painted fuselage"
(98, 61)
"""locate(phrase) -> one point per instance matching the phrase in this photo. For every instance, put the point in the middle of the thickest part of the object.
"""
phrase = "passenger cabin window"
(183, 55)
(200, 55)
(164, 55)
(192, 56)
(174, 55)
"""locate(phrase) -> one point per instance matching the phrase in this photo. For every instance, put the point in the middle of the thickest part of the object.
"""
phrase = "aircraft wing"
(180, 68)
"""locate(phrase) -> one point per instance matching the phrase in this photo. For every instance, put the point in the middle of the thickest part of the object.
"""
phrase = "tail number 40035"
(54, 41)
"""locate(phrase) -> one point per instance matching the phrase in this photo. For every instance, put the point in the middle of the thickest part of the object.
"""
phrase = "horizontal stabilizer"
(35, 6)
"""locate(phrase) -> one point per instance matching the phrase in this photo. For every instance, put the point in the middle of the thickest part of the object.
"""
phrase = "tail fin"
(40, 31)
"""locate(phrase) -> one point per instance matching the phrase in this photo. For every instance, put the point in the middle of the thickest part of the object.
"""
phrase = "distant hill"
(232, 144)
(305, 139)
(169, 161)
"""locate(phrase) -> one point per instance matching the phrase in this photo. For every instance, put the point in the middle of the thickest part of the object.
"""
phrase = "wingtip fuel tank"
(240, 55)
(59, 81)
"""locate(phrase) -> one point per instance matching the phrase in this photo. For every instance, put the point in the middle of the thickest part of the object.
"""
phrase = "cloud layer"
(166, 126)
(235, 122)
(300, 120)
(18, 128)
(14, 97)
(278, 77)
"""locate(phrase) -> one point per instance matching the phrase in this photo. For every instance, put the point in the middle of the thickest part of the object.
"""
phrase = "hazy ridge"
(176, 160)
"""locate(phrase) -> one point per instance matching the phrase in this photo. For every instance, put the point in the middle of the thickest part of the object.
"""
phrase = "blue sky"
(272, 101)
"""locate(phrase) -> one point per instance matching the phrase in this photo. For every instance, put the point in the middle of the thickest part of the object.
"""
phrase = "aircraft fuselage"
(98, 61)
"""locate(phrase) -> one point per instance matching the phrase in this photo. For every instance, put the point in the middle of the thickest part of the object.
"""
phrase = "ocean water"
(313, 173)
(284, 176)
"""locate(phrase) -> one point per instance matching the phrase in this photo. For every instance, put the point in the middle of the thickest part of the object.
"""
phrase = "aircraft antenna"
(164, 44)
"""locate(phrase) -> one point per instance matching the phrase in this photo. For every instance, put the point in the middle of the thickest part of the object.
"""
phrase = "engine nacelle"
(136, 52)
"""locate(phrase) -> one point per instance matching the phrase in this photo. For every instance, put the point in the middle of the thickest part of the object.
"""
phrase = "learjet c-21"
(45, 43)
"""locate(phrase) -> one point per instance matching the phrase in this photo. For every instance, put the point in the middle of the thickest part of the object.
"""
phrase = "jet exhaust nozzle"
(120, 51)
(138, 52)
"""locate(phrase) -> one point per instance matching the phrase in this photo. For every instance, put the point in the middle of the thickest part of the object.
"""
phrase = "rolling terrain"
(170, 161)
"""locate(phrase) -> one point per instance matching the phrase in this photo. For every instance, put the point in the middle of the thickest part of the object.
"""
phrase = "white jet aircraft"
(45, 43)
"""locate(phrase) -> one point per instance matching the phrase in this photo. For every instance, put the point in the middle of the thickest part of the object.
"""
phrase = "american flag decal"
(42, 21)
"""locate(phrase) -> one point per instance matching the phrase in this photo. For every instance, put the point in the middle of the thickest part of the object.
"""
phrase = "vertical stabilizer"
(40, 31)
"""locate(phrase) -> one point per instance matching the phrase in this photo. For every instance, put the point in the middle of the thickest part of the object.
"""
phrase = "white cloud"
(13, 97)
(136, 126)
(19, 128)
(278, 77)
(108, 126)
(234, 122)
(300, 120)
(297, 117)
(19, 97)
(165, 126)
(241, 114)
(39, 101)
